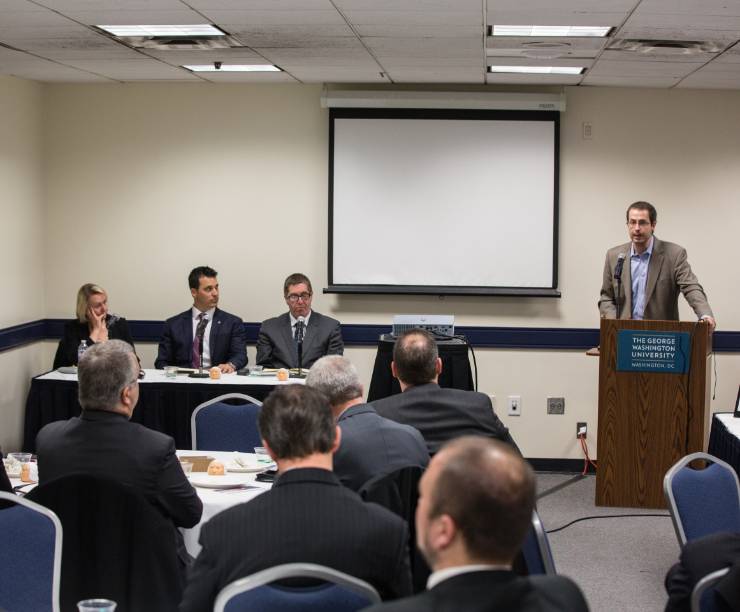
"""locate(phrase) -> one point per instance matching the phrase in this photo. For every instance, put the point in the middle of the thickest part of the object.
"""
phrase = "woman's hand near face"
(96, 323)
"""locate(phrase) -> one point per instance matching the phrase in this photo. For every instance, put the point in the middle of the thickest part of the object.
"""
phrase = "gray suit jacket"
(442, 414)
(372, 446)
(669, 273)
(277, 349)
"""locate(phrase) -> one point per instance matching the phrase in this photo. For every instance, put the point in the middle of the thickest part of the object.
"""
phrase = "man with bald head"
(475, 508)
(439, 414)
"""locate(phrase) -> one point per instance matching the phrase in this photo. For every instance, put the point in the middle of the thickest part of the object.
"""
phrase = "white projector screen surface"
(440, 205)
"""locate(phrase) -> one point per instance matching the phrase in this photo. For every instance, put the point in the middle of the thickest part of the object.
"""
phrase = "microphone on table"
(299, 330)
(199, 333)
(618, 275)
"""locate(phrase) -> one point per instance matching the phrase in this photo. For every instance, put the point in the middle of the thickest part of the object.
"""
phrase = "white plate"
(249, 467)
(216, 482)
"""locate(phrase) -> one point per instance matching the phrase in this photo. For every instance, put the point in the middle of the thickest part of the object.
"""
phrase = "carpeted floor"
(619, 563)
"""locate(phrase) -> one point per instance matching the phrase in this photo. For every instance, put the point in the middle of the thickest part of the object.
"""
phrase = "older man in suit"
(300, 332)
(439, 414)
(103, 442)
(307, 516)
(371, 445)
(224, 342)
(475, 508)
(643, 277)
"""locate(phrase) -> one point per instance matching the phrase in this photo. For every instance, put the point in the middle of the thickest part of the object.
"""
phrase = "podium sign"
(646, 351)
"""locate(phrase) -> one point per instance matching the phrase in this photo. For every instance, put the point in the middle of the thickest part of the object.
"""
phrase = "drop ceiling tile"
(36, 18)
(689, 7)
(658, 56)
(415, 45)
(295, 36)
(182, 15)
(132, 70)
(261, 5)
(437, 76)
(276, 18)
(450, 63)
(339, 75)
(230, 56)
(415, 18)
(656, 81)
(609, 68)
(69, 30)
(571, 6)
(717, 80)
(401, 31)
(65, 6)
(554, 16)
(726, 37)
(682, 22)
(452, 6)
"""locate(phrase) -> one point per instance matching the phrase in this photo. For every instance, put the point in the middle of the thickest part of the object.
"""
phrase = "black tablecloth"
(456, 371)
(723, 444)
(164, 407)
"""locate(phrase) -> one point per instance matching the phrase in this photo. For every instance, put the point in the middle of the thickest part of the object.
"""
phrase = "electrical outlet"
(515, 405)
(555, 405)
(581, 429)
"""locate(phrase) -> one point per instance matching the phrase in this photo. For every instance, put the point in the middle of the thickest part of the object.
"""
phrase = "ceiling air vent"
(666, 47)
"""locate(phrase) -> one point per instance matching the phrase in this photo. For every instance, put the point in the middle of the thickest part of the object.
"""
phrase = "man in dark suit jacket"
(654, 272)
(371, 445)
(701, 557)
(475, 508)
(224, 339)
(103, 442)
(307, 516)
(278, 341)
(439, 414)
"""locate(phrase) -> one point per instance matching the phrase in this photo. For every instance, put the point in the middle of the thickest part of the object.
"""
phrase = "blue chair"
(702, 501)
(536, 549)
(337, 592)
(221, 424)
(702, 596)
(30, 556)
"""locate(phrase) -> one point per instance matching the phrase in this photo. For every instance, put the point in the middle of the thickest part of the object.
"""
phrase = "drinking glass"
(96, 605)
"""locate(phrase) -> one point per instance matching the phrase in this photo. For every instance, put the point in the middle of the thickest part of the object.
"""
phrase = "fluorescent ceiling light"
(538, 69)
(541, 31)
(234, 68)
(205, 29)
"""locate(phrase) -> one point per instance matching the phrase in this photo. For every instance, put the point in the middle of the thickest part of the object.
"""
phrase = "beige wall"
(22, 243)
(146, 181)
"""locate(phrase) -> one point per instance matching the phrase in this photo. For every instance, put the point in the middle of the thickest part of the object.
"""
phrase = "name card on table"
(647, 351)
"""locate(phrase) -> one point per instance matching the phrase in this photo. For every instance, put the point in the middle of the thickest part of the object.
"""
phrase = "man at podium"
(643, 277)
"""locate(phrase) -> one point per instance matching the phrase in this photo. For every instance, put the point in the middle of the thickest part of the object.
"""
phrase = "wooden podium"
(648, 420)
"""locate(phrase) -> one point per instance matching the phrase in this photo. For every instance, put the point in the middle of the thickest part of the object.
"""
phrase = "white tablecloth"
(158, 376)
(216, 500)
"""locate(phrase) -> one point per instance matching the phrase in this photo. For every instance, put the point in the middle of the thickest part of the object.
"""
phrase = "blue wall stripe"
(547, 338)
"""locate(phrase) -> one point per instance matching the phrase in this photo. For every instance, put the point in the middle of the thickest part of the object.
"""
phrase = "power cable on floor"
(587, 518)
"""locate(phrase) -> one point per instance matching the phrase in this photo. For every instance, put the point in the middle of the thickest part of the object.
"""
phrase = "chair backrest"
(30, 556)
(536, 549)
(703, 501)
(703, 596)
(226, 423)
(399, 493)
(117, 545)
(336, 591)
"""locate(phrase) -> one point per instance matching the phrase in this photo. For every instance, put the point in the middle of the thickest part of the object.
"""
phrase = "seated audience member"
(103, 442)
(440, 414)
(277, 341)
(701, 557)
(371, 445)
(224, 339)
(475, 508)
(93, 324)
(307, 516)
(5, 485)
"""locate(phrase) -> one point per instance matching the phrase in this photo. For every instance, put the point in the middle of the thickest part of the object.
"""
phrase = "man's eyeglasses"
(294, 297)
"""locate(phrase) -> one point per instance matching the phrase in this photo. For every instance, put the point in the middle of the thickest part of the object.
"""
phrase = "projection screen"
(443, 202)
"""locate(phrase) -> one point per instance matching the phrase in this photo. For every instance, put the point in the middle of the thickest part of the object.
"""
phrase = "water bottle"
(81, 349)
